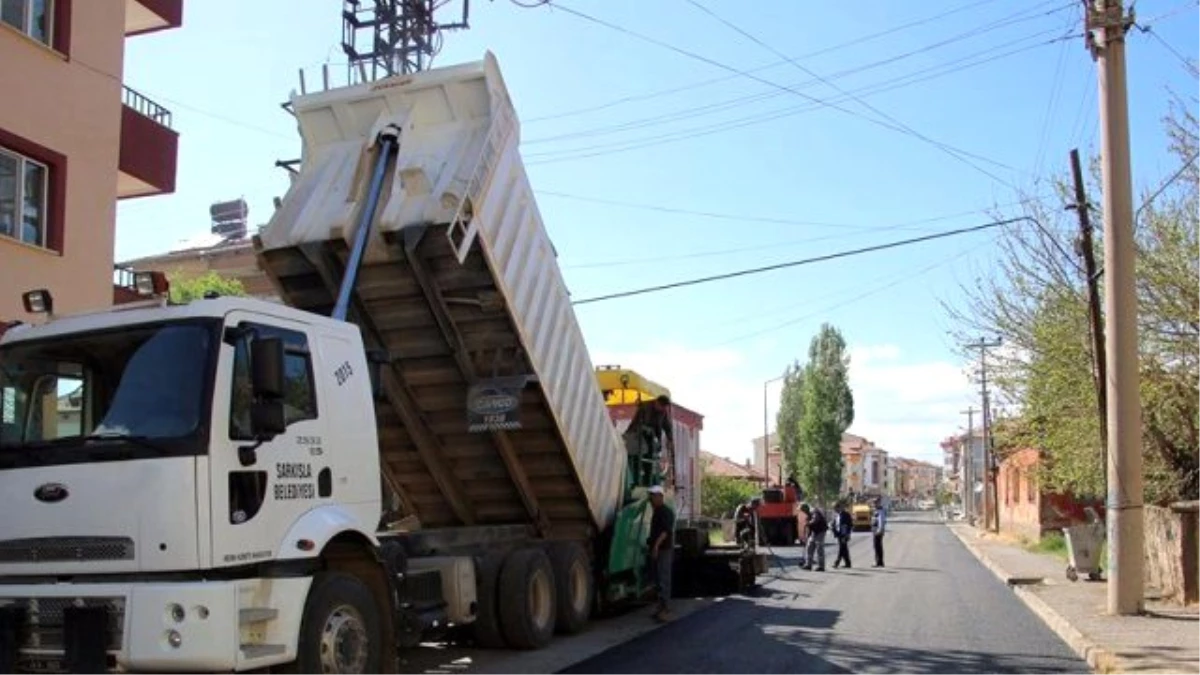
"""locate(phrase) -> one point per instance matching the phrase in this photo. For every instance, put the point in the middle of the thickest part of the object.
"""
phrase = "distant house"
(715, 465)
(1029, 510)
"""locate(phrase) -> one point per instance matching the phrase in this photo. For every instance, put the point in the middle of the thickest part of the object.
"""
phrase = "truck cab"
(161, 464)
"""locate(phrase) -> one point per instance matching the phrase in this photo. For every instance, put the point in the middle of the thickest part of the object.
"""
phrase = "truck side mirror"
(266, 368)
(267, 419)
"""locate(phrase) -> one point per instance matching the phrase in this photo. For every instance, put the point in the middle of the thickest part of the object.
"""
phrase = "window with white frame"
(31, 17)
(23, 198)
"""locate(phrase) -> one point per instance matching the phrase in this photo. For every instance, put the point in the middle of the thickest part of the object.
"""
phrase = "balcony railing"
(145, 107)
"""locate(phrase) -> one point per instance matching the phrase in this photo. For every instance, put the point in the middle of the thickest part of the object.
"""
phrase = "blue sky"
(643, 178)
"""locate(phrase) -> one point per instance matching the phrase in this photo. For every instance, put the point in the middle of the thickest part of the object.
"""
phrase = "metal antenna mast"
(383, 38)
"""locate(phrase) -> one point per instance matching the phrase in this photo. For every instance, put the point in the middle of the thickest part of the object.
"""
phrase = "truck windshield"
(141, 383)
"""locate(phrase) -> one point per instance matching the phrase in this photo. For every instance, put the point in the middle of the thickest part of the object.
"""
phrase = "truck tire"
(574, 587)
(340, 631)
(486, 629)
(527, 599)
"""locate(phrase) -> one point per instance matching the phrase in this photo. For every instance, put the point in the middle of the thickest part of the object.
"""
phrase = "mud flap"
(12, 620)
(85, 639)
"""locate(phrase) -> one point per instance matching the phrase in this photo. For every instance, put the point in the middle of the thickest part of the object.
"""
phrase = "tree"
(787, 421)
(187, 289)
(720, 495)
(1036, 301)
(828, 410)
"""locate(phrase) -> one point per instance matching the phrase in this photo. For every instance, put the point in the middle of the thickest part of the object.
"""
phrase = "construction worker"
(878, 527)
(662, 550)
(817, 527)
(843, 525)
(643, 438)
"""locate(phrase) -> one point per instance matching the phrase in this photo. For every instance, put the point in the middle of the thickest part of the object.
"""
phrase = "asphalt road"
(933, 609)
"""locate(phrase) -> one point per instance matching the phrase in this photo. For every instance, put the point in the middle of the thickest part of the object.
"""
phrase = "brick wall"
(1018, 494)
(1171, 552)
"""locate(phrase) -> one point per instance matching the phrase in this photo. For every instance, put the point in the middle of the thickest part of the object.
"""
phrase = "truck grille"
(43, 626)
(65, 549)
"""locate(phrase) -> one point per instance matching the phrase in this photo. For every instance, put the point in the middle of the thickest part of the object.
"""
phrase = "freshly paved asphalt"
(933, 609)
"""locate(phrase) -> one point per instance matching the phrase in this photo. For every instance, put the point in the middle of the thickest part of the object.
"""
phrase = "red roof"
(721, 466)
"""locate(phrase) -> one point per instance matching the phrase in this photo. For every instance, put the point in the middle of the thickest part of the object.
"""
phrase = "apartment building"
(73, 140)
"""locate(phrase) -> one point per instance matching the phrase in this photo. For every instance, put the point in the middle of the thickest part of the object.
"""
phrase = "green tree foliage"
(720, 495)
(1036, 301)
(187, 289)
(787, 421)
(828, 410)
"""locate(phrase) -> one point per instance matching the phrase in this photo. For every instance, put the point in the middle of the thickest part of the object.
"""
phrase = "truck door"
(257, 496)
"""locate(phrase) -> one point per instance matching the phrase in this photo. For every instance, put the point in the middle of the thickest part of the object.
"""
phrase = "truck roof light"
(151, 283)
(38, 302)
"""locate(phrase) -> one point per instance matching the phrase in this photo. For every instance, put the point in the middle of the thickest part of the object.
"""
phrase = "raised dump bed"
(459, 286)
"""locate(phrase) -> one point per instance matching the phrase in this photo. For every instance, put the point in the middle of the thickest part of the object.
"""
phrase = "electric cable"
(696, 85)
(739, 101)
(849, 301)
(858, 229)
(798, 263)
(573, 154)
(699, 57)
(954, 152)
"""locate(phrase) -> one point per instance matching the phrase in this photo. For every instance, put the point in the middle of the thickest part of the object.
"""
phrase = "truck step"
(261, 651)
(256, 615)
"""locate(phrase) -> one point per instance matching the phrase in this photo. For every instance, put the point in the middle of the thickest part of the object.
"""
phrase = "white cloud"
(905, 407)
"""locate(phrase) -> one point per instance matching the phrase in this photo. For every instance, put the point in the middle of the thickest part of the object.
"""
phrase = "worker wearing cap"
(662, 549)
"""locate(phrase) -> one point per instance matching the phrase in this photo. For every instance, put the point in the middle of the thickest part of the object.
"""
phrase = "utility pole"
(1084, 246)
(1107, 24)
(968, 464)
(991, 508)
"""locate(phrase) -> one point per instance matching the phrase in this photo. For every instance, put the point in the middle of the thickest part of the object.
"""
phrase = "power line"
(1166, 184)
(957, 153)
(797, 263)
(849, 301)
(860, 229)
(774, 64)
(1187, 63)
(738, 101)
(573, 154)
(770, 83)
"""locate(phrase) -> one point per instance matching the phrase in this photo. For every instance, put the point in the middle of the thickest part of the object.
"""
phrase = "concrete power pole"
(1107, 24)
(991, 507)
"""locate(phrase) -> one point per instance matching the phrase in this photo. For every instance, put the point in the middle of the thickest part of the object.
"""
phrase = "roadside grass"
(1055, 544)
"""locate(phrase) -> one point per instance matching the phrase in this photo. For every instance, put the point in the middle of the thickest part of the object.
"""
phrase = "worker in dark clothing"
(662, 550)
(643, 439)
(878, 527)
(816, 527)
(843, 525)
(745, 520)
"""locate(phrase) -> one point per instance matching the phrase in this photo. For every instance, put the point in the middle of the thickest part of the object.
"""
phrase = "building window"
(32, 17)
(24, 188)
(1030, 485)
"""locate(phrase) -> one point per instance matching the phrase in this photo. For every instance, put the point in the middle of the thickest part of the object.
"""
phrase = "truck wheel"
(486, 629)
(527, 599)
(340, 630)
(573, 587)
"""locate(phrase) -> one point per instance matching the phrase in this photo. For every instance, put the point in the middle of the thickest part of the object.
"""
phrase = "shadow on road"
(738, 634)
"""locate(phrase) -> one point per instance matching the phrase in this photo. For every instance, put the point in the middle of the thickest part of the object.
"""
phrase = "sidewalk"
(1165, 639)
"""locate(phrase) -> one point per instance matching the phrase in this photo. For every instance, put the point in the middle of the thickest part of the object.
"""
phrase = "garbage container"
(1084, 544)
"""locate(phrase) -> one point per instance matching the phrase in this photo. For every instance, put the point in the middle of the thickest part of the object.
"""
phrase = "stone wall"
(1164, 554)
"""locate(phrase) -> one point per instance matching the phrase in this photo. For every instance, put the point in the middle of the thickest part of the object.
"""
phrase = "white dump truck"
(413, 442)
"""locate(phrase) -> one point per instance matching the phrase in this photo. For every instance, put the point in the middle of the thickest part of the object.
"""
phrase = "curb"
(1100, 659)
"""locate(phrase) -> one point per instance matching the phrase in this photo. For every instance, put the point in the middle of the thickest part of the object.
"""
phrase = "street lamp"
(767, 434)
